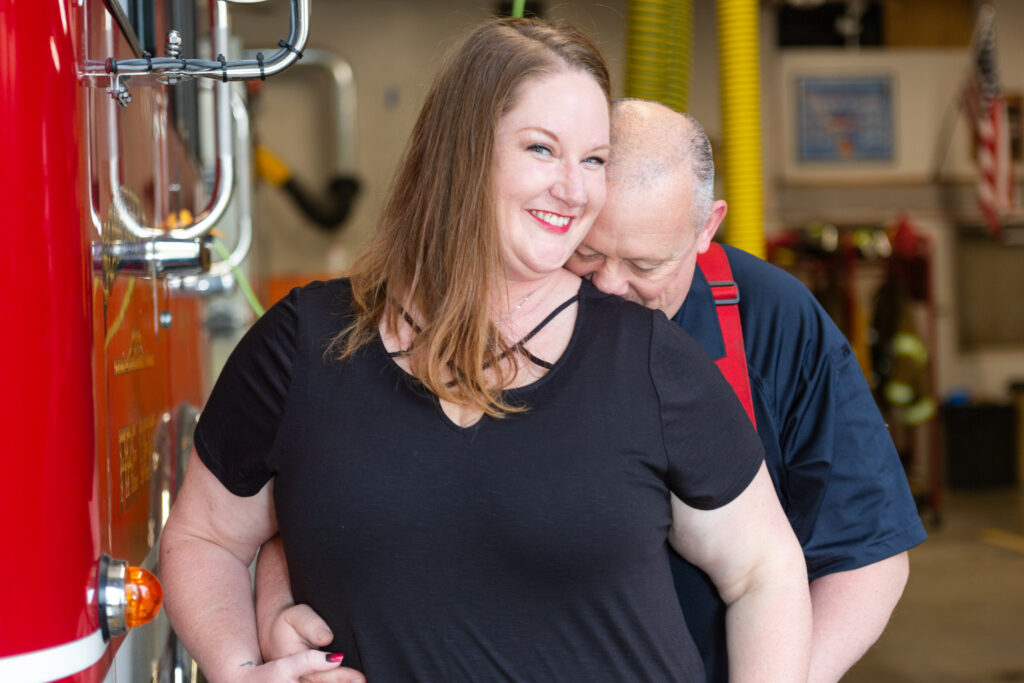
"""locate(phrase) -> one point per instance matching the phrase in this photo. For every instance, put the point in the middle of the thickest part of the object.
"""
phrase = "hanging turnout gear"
(903, 382)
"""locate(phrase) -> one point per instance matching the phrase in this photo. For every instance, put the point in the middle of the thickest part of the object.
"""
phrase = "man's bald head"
(653, 145)
(660, 211)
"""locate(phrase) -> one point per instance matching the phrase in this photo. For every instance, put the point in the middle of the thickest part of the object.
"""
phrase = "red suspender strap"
(715, 266)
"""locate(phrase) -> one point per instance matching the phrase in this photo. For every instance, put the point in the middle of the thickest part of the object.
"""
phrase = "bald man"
(832, 461)
(833, 464)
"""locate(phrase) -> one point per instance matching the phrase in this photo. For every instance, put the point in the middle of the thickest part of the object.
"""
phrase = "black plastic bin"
(981, 445)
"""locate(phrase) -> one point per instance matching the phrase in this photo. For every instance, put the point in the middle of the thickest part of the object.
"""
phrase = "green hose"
(240, 278)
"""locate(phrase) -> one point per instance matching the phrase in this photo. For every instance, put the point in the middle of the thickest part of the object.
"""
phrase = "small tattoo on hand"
(249, 663)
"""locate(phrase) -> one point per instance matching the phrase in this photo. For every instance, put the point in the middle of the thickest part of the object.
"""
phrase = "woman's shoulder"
(622, 324)
(611, 307)
(336, 287)
(320, 295)
(613, 312)
(320, 306)
(611, 315)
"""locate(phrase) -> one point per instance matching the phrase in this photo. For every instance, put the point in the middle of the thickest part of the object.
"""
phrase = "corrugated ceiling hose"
(658, 38)
(648, 47)
(740, 78)
(677, 70)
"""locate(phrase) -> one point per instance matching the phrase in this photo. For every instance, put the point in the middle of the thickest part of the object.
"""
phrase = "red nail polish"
(335, 657)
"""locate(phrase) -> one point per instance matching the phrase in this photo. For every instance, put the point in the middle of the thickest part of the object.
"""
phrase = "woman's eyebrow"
(539, 129)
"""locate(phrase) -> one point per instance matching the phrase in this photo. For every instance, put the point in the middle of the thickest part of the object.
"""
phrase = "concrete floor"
(961, 618)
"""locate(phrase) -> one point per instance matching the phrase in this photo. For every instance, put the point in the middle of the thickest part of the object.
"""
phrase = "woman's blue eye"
(597, 161)
(543, 149)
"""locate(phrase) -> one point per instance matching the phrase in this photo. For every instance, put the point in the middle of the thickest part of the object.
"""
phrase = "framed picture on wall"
(844, 119)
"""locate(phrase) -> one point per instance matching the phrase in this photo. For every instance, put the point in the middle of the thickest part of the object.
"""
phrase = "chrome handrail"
(222, 69)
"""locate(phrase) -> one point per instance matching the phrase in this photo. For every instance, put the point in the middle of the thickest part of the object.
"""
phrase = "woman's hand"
(307, 666)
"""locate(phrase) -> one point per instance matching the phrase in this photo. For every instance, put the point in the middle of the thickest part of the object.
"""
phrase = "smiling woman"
(549, 180)
(521, 93)
(477, 479)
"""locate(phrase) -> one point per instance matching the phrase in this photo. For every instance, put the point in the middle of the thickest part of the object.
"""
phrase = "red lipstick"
(552, 222)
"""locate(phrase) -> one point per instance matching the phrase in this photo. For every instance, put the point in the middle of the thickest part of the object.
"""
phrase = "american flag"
(986, 112)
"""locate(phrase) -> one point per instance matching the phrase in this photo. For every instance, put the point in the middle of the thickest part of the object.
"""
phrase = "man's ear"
(710, 228)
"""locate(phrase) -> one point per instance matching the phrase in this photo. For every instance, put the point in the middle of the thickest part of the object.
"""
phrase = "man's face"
(642, 247)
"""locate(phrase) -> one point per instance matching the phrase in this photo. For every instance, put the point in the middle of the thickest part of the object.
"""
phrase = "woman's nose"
(570, 188)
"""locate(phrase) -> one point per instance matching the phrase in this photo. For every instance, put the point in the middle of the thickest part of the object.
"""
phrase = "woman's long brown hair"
(436, 250)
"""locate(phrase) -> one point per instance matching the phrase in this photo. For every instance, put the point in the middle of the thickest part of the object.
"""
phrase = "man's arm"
(845, 488)
(851, 610)
(750, 552)
(284, 627)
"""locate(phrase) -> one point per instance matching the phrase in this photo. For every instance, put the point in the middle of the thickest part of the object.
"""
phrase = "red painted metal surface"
(91, 382)
(48, 502)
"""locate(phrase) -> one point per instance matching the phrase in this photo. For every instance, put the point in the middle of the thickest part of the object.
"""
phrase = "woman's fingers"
(341, 675)
(306, 665)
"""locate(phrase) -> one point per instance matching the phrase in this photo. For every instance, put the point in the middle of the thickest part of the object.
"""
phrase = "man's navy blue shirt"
(826, 445)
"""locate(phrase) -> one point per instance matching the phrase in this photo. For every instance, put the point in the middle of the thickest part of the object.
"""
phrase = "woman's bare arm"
(206, 547)
(748, 549)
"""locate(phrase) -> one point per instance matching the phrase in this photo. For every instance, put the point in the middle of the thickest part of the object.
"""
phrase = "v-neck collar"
(414, 384)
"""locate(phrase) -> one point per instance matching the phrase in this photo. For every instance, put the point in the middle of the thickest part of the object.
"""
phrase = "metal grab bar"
(237, 70)
(343, 107)
(178, 250)
(220, 276)
(328, 209)
(224, 177)
(243, 165)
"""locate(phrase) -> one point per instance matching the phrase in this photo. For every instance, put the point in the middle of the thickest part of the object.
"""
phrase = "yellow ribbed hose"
(648, 44)
(658, 37)
(677, 70)
(738, 40)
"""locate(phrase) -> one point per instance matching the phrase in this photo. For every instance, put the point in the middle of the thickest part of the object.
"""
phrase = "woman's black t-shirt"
(527, 548)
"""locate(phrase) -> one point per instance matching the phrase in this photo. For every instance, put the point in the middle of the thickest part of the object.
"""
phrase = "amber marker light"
(128, 596)
(143, 597)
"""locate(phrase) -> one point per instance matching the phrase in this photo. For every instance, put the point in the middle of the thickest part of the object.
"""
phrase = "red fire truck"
(107, 211)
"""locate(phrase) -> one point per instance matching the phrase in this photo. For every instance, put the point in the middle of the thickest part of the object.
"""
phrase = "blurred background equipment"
(329, 208)
(987, 115)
